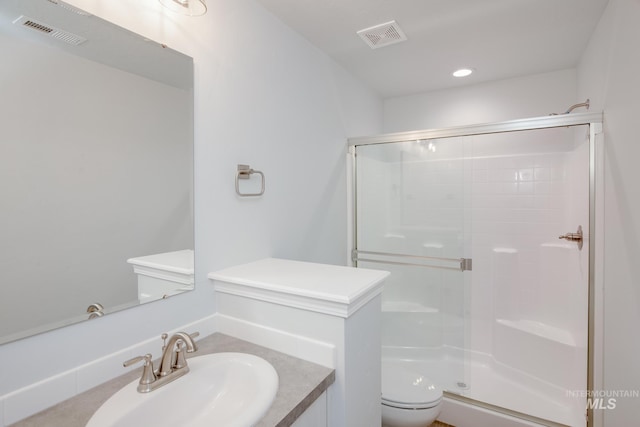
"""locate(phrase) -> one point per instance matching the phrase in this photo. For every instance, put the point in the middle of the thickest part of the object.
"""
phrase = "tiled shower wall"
(521, 201)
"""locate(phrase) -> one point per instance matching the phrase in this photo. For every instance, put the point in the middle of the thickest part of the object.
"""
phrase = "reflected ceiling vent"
(50, 31)
(70, 8)
(382, 35)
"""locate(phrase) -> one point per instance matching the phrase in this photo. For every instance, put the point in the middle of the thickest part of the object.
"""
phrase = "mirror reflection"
(96, 168)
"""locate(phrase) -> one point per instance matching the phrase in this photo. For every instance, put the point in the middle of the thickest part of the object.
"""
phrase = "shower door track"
(594, 120)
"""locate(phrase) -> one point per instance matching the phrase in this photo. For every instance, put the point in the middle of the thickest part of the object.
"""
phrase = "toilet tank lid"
(403, 385)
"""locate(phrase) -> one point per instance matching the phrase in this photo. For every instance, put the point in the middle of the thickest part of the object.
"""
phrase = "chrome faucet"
(173, 363)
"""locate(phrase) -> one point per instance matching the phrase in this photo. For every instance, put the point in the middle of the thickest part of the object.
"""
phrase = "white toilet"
(409, 399)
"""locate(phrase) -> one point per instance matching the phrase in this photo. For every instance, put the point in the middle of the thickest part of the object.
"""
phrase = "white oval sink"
(222, 389)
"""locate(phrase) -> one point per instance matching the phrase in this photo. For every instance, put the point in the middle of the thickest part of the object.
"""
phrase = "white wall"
(608, 75)
(263, 96)
(517, 98)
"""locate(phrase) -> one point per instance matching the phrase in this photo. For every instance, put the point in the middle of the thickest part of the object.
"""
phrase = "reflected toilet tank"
(163, 275)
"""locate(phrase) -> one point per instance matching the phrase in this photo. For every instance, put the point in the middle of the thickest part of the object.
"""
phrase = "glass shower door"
(512, 334)
(410, 216)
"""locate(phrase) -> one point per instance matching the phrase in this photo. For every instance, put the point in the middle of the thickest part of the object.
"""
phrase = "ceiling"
(500, 39)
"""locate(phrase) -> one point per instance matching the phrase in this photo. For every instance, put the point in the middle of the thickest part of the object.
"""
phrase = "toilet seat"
(406, 389)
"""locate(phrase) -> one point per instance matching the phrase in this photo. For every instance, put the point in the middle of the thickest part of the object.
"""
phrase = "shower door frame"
(594, 326)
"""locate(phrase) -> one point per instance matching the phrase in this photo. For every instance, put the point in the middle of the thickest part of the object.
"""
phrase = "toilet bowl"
(409, 399)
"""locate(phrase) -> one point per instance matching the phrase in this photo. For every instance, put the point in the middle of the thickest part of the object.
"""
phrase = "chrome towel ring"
(245, 172)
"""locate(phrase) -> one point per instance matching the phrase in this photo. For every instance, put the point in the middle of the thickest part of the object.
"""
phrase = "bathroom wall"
(265, 97)
(511, 99)
(608, 75)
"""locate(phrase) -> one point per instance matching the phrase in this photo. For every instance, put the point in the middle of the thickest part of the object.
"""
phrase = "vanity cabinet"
(315, 415)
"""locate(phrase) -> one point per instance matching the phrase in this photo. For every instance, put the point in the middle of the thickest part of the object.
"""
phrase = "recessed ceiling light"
(462, 72)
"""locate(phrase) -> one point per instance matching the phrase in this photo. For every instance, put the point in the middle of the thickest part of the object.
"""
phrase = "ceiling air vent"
(50, 31)
(382, 35)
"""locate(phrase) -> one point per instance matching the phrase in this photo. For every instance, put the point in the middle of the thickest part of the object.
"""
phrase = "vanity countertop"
(300, 384)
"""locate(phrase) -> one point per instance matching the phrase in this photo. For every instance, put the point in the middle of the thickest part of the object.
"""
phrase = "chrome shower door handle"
(574, 237)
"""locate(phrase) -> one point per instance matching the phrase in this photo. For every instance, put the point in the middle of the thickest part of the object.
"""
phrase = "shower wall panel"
(528, 297)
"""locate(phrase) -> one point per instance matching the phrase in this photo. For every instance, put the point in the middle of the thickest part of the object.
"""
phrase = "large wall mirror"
(96, 168)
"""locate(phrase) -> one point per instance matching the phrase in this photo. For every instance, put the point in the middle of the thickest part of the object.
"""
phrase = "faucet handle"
(180, 360)
(146, 358)
(148, 376)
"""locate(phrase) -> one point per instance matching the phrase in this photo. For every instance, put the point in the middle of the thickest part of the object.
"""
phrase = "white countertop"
(316, 286)
(177, 261)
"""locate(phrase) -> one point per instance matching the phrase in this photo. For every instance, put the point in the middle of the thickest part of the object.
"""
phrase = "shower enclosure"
(488, 234)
